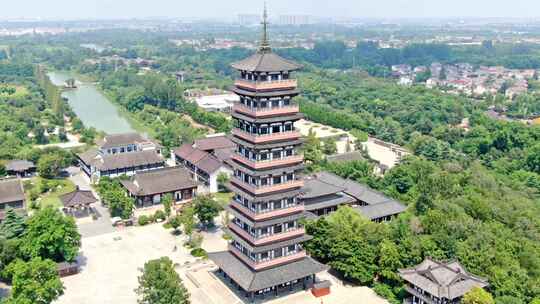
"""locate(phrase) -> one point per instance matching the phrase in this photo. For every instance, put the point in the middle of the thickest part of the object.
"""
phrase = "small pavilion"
(78, 203)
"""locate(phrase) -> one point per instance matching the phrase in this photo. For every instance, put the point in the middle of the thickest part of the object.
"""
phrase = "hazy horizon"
(228, 10)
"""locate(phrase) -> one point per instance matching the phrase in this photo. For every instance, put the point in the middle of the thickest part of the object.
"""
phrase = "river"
(92, 107)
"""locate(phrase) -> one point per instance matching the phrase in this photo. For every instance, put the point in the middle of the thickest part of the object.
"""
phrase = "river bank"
(93, 107)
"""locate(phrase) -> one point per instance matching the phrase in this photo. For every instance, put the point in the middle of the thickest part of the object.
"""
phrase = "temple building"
(206, 159)
(11, 196)
(325, 192)
(121, 154)
(434, 282)
(266, 253)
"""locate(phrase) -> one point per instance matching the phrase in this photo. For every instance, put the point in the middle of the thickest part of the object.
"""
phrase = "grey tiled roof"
(448, 280)
(251, 280)
(20, 165)
(314, 187)
(126, 160)
(77, 197)
(159, 181)
(265, 62)
(123, 139)
(381, 210)
(11, 190)
(328, 201)
(272, 119)
(360, 192)
(201, 159)
(266, 146)
(258, 198)
(266, 94)
(264, 248)
(267, 222)
(213, 143)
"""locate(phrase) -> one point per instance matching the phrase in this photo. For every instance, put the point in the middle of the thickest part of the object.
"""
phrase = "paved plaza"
(111, 262)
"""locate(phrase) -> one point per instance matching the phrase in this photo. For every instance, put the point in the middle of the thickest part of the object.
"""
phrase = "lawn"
(52, 190)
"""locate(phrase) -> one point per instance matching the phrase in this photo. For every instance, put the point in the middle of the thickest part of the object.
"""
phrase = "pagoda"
(266, 253)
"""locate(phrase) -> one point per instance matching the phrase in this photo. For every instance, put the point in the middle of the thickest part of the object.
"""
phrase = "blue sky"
(75, 9)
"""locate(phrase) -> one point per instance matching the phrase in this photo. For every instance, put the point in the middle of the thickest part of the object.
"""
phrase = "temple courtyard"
(110, 266)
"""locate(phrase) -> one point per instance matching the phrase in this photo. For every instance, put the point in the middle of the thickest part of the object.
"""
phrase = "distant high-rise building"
(265, 254)
(249, 19)
(295, 19)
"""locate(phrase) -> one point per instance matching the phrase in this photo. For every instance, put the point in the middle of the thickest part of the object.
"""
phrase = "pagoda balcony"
(260, 216)
(267, 239)
(263, 112)
(258, 139)
(260, 190)
(266, 264)
(266, 85)
(264, 164)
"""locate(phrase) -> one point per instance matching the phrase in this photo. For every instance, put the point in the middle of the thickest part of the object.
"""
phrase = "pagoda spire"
(265, 45)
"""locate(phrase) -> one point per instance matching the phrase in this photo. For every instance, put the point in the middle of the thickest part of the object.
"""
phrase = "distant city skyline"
(230, 9)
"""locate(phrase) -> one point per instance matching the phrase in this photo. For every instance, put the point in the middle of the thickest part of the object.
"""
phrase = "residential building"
(206, 159)
(20, 168)
(434, 282)
(11, 196)
(324, 192)
(149, 187)
(121, 154)
(266, 253)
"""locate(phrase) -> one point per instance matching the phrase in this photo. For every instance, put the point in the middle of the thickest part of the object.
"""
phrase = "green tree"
(329, 146)
(389, 260)
(3, 171)
(312, 149)
(51, 235)
(187, 218)
(175, 223)
(206, 209)
(34, 282)
(167, 202)
(477, 295)
(161, 284)
(533, 158)
(13, 224)
(49, 166)
(222, 179)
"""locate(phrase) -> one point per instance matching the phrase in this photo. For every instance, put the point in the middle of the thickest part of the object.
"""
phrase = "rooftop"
(78, 197)
(120, 160)
(448, 280)
(250, 280)
(116, 140)
(213, 143)
(11, 190)
(19, 165)
(159, 181)
(203, 160)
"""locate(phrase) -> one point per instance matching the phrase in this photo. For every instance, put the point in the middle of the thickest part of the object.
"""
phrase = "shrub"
(159, 215)
(143, 220)
(199, 253)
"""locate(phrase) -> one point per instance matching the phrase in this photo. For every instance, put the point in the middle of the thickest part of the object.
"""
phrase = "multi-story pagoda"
(265, 254)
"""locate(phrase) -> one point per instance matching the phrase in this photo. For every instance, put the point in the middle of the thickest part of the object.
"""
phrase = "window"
(278, 253)
(263, 130)
(290, 177)
(278, 205)
(291, 249)
(288, 127)
(289, 152)
(276, 154)
(276, 129)
(264, 181)
(276, 180)
(264, 155)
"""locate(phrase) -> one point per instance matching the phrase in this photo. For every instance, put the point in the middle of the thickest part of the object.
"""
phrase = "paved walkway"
(103, 224)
